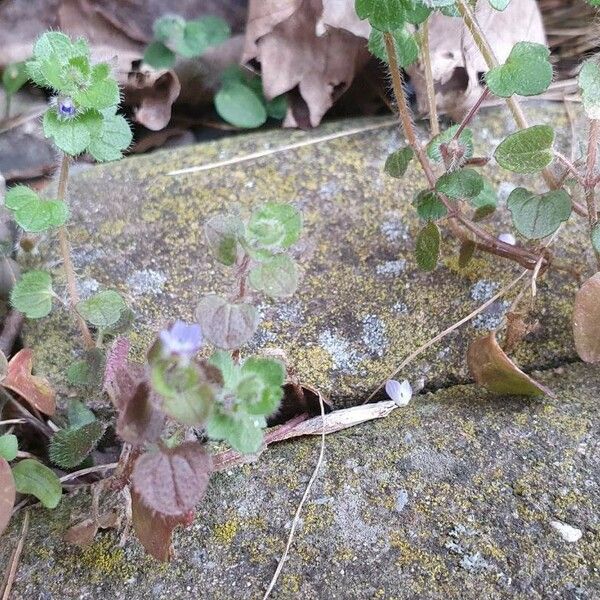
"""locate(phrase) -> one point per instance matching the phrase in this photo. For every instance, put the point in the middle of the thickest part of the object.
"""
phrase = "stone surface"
(362, 304)
(453, 496)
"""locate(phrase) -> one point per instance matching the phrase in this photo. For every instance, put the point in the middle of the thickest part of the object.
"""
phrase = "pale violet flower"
(399, 392)
(65, 107)
(181, 339)
(507, 238)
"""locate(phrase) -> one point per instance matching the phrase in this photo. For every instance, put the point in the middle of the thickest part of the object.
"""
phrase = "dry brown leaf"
(297, 47)
(7, 494)
(81, 534)
(586, 320)
(35, 390)
(456, 62)
(492, 368)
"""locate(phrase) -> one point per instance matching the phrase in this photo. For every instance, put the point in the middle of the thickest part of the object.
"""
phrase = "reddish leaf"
(172, 480)
(586, 320)
(492, 368)
(154, 531)
(81, 534)
(35, 390)
(7, 494)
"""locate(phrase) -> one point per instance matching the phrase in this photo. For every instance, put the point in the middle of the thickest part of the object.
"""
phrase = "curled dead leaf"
(83, 533)
(35, 390)
(154, 531)
(7, 494)
(492, 368)
(586, 320)
(312, 45)
(172, 480)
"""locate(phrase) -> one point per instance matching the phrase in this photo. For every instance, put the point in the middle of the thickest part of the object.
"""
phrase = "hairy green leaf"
(589, 83)
(9, 446)
(201, 34)
(241, 106)
(427, 248)
(169, 29)
(429, 206)
(464, 143)
(277, 277)
(157, 55)
(526, 151)
(223, 233)
(102, 92)
(397, 162)
(407, 49)
(244, 432)
(536, 216)
(110, 140)
(527, 71)
(226, 324)
(72, 136)
(465, 183)
(70, 447)
(32, 213)
(32, 294)
(275, 225)
(262, 399)
(385, 15)
(32, 477)
(417, 12)
(78, 414)
(102, 309)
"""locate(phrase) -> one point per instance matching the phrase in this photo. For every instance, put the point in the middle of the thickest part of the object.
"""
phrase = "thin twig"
(571, 168)
(16, 556)
(82, 472)
(300, 506)
(590, 185)
(471, 114)
(12, 422)
(429, 86)
(444, 333)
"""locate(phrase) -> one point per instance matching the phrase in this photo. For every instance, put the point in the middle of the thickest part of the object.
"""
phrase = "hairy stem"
(590, 169)
(471, 114)
(65, 250)
(433, 116)
(491, 61)
(486, 242)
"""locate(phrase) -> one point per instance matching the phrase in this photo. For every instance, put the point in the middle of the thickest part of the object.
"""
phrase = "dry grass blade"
(11, 571)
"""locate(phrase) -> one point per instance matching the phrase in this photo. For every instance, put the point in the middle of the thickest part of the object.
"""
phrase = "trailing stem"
(433, 116)
(491, 61)
(65, 250)
(590, 178)
(484, 240)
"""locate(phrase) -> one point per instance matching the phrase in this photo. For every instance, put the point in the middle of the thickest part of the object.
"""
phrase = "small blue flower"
(65, 107)
(181, 339)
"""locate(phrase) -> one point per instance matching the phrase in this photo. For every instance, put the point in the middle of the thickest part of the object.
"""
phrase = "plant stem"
(590, 188)
(487, 241)
(470, 115)
(7, 107)
(433, 116)
(65, 250)
(491, 61)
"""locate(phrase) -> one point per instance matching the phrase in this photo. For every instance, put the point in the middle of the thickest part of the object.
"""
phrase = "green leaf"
(89, 371)
(72, 136)
(108, 142)
(244, 432)
(229, 370)
(499, 4)
(70, 447)
(201, 34)
(226, 324)
(32, 477)
(407, 49)
(429, 206)
(596, 237)
(277, 108)
(157, 55)
(56, 43)
(589, 82)
(465, 143)
(102, 309)
(277, 277)
(14, 77)
(32, 294)
(78, 414)
(385, 15)
(536, 216)
(417, 12)
(103, 91)
(9, 446)
(427, 247)
(487, 196)
(397, 162)
(222, 234)
(465, 183)
(275, 225)
(467, 248)
(185, 397)
(526, 151)
(271, 375)
(32, 213)
(241, 106)
(169, 29)
(527, 71)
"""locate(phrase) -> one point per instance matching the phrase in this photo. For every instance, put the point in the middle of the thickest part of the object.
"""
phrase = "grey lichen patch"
(146, 281)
